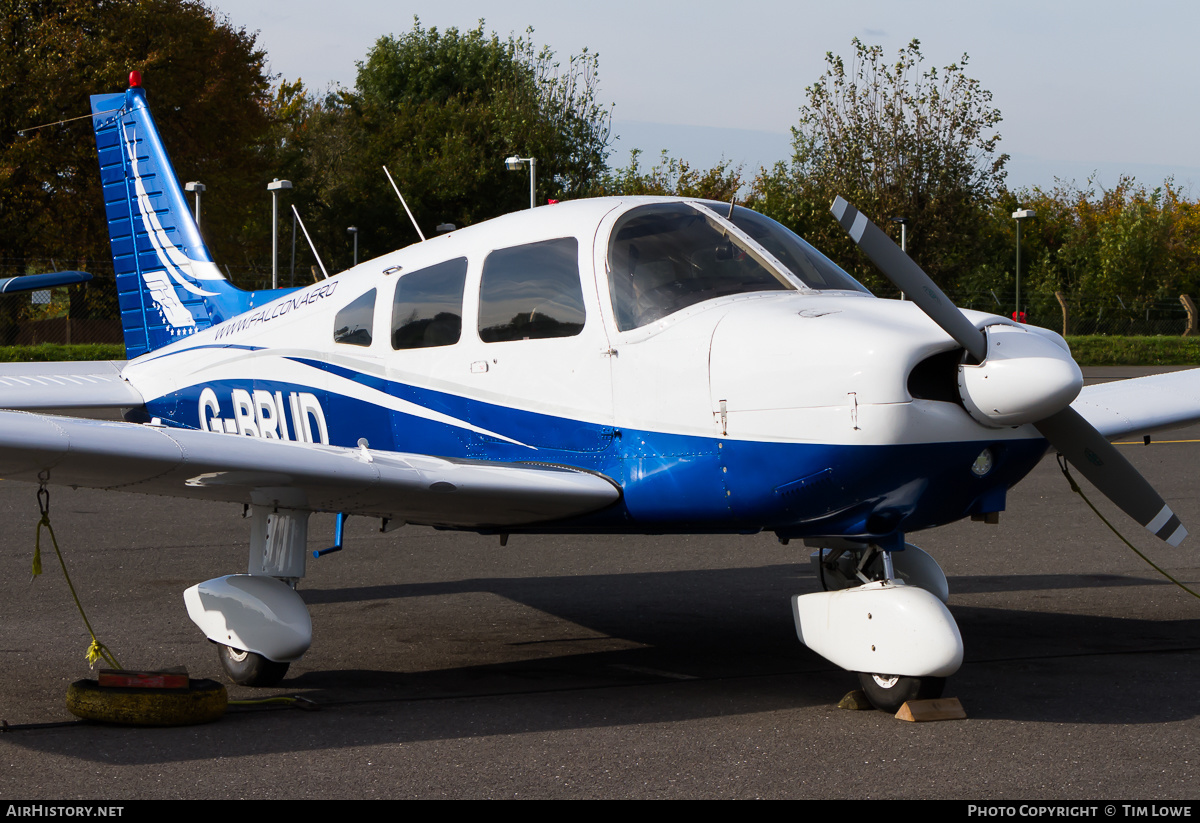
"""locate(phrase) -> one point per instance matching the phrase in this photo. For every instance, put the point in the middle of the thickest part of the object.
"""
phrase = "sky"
(1088, 90)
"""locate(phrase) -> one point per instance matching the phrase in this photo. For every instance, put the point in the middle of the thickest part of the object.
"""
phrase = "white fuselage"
(779, 377)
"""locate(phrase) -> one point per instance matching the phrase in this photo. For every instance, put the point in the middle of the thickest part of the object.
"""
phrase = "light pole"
(515, 163)
(1019, 215)
(903, 221)
(197, 188)
(354, 231)
(292, 276)
(274, 187)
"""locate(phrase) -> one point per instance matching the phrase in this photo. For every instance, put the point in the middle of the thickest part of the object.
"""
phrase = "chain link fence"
(1115, 316)
(89, 313)
(84, 313)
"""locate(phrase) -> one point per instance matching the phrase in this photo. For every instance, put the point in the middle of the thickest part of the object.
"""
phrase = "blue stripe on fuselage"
(670, 482)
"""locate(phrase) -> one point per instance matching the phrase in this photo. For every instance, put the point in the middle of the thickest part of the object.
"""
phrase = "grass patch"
(45, 352)
(1103, 350)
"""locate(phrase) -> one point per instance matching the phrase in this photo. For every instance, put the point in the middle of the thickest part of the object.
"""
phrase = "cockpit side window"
(353, 324)
(427, 311)
(531, 292)
(668, 256)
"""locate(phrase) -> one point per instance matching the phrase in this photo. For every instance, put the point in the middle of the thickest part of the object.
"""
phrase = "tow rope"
(1062, 464)
(97, 650)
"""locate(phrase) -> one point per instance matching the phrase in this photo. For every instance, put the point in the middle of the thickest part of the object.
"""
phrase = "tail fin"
(167, 283)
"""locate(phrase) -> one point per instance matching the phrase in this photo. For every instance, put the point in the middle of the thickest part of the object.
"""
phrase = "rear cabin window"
(531, 292)
(352, 325)
(427, 311)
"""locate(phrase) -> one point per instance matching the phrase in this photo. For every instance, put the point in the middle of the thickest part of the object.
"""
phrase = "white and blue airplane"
(617, 365)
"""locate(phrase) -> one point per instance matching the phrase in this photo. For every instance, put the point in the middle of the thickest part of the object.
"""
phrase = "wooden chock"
(855, 701)
(943, 708)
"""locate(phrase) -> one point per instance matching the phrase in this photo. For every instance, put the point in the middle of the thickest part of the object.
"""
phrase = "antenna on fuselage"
(310, 242)
(402, 203)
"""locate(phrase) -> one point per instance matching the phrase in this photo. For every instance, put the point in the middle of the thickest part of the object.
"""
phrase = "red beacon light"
(135, 79)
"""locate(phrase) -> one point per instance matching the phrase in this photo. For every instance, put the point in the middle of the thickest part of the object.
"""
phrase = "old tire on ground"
(888, 692)
(201, 702)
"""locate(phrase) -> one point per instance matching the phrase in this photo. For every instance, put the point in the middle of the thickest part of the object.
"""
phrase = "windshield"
(813, 269)
(665, 257)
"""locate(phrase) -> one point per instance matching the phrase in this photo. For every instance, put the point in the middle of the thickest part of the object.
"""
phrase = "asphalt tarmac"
(445, 665)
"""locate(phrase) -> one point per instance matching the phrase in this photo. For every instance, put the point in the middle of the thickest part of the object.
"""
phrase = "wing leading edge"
(186, 463)
(1142, 404)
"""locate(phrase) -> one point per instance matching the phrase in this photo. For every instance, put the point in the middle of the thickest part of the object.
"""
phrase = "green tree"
(442, 110)
(671, 177)
(1121, 249)
(1114, 253)
(206, 82)
(895, 140)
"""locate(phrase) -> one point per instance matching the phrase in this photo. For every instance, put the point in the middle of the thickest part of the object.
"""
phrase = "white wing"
(186, 463)
(82, 385)
(1143, 404)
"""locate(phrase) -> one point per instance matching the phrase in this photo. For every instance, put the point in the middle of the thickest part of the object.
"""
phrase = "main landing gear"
(257, 620)
(882, 615)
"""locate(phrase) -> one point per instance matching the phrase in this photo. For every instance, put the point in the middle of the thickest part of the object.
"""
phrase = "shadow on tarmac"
(654, 648)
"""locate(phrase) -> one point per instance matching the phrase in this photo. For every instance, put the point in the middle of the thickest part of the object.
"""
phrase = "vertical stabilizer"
(167, 283)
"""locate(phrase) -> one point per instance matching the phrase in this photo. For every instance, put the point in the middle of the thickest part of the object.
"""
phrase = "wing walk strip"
(59, 380)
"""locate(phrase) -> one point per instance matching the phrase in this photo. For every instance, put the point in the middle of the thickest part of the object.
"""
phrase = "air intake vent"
(936, 377)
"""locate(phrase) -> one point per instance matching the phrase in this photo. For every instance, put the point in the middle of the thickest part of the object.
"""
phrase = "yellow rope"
(97, 650)
(1151, 443)
(1062, 464)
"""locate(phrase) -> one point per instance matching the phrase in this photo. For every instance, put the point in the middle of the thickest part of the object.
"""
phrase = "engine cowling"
(1026, 377)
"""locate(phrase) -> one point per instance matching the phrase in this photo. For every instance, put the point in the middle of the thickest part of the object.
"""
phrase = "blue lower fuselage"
(670, 482)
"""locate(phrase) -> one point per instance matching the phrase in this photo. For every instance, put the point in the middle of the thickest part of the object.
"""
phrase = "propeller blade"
(1068, 432)
(1109, 471)
(908, 277)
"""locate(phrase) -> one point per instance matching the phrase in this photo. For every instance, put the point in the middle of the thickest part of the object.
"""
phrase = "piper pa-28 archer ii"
(617, 365)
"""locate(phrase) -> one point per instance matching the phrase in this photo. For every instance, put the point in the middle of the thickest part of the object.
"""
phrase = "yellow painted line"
(1152, 442)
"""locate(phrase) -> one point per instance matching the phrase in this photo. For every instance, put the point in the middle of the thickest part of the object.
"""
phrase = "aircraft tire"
(201, 702)
(888, 692)
(250, 669)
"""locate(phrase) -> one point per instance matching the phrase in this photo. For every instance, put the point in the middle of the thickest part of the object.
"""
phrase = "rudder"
(168, 286)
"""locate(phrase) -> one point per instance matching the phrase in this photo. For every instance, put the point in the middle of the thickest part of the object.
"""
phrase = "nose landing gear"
(898, 636)
(888, 692)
